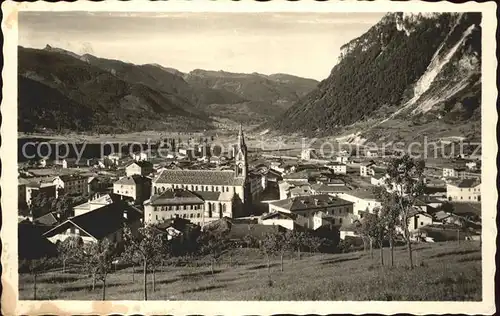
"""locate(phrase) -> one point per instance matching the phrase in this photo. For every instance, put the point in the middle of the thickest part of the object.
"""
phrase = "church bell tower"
(241, 169)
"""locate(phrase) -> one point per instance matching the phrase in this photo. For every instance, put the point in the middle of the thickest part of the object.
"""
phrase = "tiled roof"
(48, 219)
(177, 223)
(310, 202)
(176, 197)
(203, 177)
(104, 199)
(39, 184)
(440, 215)
(72, 177)
(466, 209)
(323, 188)
(279, 215)
(362, 194)
(142, 164)
(23, 181)
(467, 183)
(378, 175)
(208, 195)
(132, 180)
(297, 175)
(415, 211)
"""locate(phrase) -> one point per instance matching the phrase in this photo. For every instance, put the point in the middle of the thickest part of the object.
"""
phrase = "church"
(233, 186)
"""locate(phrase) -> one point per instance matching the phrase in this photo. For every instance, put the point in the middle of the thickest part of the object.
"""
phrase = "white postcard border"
(8, 153)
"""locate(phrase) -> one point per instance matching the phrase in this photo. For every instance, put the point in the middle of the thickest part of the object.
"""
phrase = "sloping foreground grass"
(444, 271)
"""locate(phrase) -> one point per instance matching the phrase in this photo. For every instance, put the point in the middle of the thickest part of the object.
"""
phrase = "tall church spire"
(241, 138)
(241, 156)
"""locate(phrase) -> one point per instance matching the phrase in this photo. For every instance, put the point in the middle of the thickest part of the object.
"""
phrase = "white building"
(286, 220)
(337, 167)
(472, 165)
(366, 169)
(199, 207)
(305, 208)
(307, 154)
(362, 201)
(378, 179)
(95, 202)
(344, 159)
(141, 167)
(466, 190)
(418, 219)
(141, 156)
(72, 184)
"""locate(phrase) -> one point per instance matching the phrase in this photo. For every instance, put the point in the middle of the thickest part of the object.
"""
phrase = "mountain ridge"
(150, 92)
(418, 68)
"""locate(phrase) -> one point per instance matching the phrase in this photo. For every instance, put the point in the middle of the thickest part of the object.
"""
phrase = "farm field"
(444, 271)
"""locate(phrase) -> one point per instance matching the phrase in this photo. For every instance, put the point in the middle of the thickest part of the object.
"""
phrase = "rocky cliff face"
(413, 71)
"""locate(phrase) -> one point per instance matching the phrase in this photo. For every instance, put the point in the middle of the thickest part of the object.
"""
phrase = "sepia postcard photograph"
(246, 157)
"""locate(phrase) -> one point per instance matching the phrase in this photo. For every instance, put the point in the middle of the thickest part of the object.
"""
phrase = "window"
(198, 215)
(340, 220)
(184, 215)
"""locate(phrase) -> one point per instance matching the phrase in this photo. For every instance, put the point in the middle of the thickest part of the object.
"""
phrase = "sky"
(302, 44)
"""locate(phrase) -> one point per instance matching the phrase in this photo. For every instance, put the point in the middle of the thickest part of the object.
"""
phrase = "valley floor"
(443, 272)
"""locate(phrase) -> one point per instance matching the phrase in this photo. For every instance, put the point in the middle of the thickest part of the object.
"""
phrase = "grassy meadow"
(444, 271)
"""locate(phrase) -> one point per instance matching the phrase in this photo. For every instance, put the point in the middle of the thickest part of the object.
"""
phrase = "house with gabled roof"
(136, 187)
(286, 220)
(96, 201)
(238, 231)
(105, 222)
(418, 219)
(337, 167)
(362, 200)
(305, 208)
(48, 220)
(141, 167)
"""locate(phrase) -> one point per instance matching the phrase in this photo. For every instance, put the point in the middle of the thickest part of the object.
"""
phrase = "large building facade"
(232, 184)
(196, 206)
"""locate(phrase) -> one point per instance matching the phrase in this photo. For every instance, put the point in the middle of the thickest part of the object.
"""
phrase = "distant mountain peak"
(50, 48)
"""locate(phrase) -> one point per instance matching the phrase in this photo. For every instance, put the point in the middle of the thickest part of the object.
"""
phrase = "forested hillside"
(411, 67)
